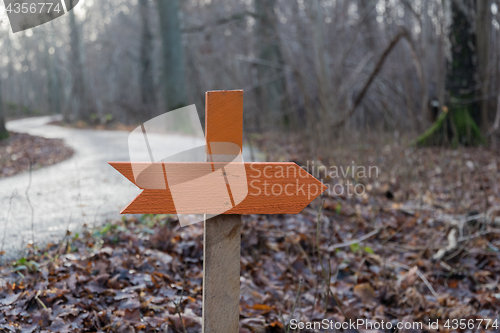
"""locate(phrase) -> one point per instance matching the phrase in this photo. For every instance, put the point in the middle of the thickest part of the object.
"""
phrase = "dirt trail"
(81, 190)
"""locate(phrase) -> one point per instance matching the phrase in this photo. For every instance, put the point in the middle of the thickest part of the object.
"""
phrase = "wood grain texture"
(221, 274)
(273, 188)
(224, 117)
(222, 234)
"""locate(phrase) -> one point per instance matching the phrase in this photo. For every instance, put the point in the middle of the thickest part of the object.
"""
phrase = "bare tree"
(54, 87)
(461, 84)
(271, 91)
(320, 67)
(3, 131)
(80, 101)
(321, 57)
(367, 7)
(483, 27)
(174, 77)
(148, 93)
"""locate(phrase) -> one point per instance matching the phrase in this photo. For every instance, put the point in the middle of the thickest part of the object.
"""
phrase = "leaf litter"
(371, 256)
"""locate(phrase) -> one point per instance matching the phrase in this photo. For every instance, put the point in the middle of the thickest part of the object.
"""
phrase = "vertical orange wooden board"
(224, 122)
(222, 234)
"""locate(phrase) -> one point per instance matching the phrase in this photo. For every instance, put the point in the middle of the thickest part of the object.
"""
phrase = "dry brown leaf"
(364, 292)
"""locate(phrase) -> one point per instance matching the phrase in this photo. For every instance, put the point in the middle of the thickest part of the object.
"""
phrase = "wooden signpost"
(273, 188)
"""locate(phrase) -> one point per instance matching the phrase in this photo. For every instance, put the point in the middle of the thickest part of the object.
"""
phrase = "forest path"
(81, 190)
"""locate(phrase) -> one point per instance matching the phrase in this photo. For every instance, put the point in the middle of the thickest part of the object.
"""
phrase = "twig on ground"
(355, 241)
(429, 244)
(67, 236)
(458, 224)
(39, 300)
(180, 317)
(14, 193)
(97, 322)
(477, 234)
(304, 253)
(420, 275)
(452, 245)
(339, 305)
(320, 256)
(456, 252)
(31, 206)
(294, 305)
(317, 244)
(494, 230)
(397, 231)
(177, 305)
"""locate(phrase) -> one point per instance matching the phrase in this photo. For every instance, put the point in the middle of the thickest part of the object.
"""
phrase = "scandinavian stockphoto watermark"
(399, 326)
(173, 161)
(359, 324)
(348, 179)
(27, 14)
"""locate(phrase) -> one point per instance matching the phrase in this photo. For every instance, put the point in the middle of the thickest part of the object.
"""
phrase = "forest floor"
(419, 246)
(20, 151)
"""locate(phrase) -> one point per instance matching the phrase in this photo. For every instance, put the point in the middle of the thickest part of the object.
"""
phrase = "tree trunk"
(11, 90)
(370, 23)
(4, 134)
(271, 92)
(425, 60)
(460, 123)
(174, 77)
(148, 94)
(52, 75)
(321, 59)
(80, 101)
(483, 26)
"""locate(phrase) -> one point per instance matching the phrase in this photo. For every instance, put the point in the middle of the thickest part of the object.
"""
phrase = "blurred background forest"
(331, 82)
(321, 69)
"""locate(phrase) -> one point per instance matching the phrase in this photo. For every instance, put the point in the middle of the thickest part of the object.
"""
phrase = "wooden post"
(222, 234)
(221, 274)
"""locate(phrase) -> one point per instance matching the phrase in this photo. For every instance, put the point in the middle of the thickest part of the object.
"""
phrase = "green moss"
(468, 132)
(4, 135)
(452, 128)
(434, 135)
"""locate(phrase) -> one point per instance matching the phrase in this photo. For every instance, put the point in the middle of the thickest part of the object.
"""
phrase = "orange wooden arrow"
(220, 188)
(273, 188)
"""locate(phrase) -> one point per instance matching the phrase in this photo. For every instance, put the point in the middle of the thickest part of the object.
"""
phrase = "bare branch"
(402, 34)
(222, 21)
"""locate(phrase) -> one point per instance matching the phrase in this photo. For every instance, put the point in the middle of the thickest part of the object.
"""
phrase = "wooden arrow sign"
(273, 188)
(223, 186)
